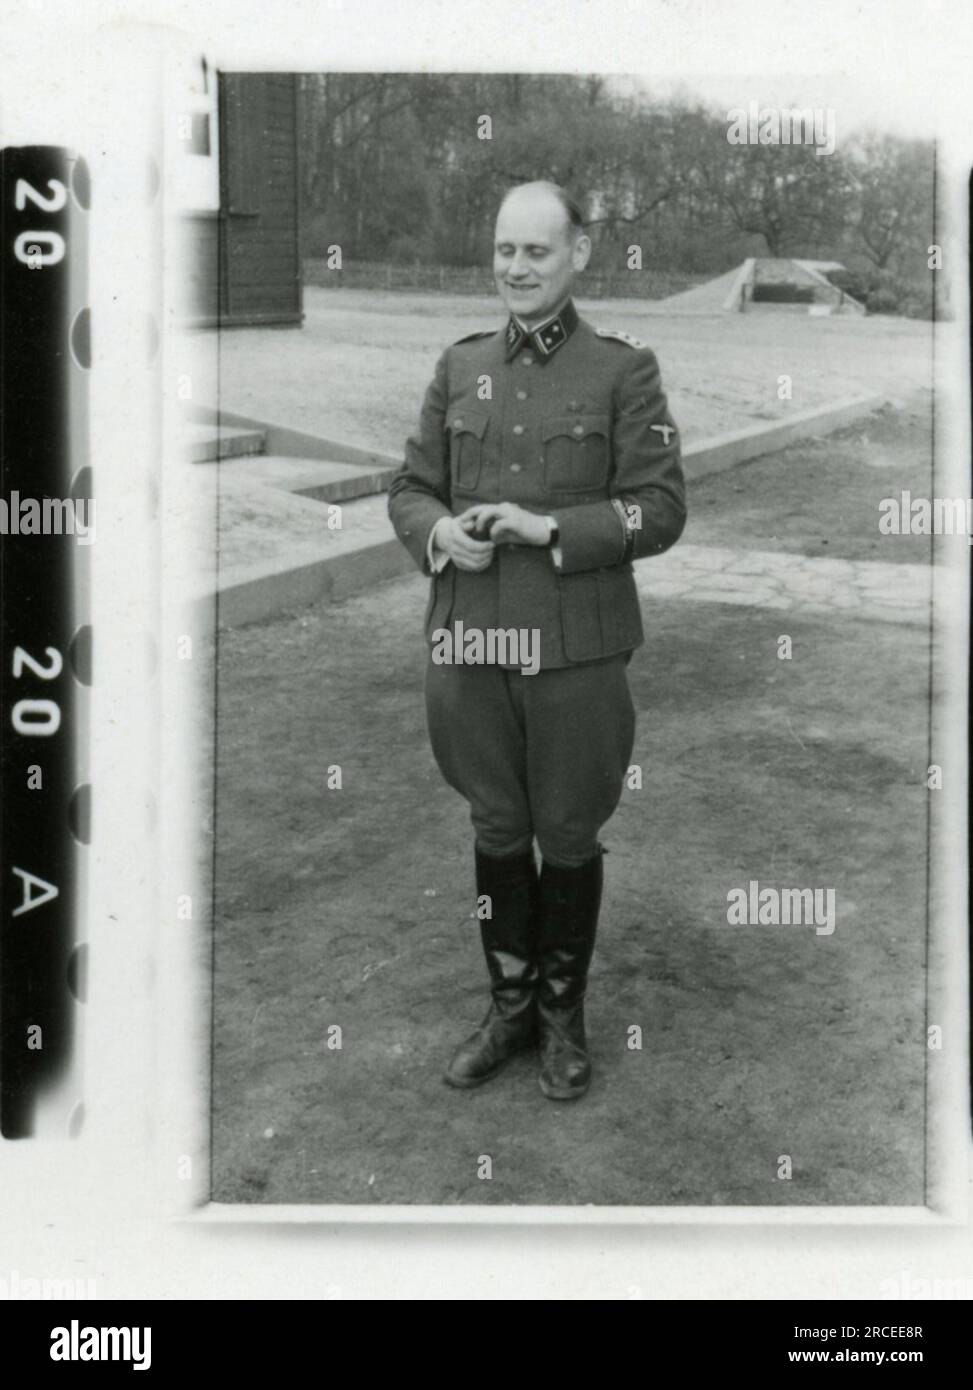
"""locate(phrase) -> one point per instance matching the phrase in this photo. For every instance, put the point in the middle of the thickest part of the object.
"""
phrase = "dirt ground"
(353, 907)
(357, 369)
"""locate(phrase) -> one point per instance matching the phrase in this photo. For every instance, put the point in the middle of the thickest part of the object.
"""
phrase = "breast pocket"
(576, 452)
(466, 431)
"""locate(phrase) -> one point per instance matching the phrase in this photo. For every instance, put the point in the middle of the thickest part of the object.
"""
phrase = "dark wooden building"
(244, 261)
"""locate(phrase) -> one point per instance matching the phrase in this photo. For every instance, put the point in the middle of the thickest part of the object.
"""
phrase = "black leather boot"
(508, 944)
(569, 903)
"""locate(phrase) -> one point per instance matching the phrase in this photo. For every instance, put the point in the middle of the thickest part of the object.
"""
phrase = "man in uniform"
(545, 462)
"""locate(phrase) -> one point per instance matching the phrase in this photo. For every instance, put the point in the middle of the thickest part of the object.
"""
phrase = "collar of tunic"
(546, 338)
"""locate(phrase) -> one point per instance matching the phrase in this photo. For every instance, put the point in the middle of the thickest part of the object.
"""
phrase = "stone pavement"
(783, 580)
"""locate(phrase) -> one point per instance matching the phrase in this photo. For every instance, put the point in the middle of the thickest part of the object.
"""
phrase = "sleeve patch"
(619, 336)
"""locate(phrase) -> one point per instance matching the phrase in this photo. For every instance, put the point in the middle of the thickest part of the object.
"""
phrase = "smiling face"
(536, 253)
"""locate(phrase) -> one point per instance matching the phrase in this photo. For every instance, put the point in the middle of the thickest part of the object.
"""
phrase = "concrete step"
(207, 443)
(319, 479)
(282, 555)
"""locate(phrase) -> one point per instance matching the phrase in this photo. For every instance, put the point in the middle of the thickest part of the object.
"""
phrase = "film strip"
(47, 515)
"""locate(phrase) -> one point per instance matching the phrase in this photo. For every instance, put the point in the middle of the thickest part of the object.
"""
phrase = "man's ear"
(582, 252)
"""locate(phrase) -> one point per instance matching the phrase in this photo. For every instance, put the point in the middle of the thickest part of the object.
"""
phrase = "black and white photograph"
(577, 642)
(485, 553)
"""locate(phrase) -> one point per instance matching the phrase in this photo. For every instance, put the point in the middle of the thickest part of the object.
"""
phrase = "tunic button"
(527, 359)
(518, 429)
(521, 395)
(457, 423)
(515, 468)
(579, 429)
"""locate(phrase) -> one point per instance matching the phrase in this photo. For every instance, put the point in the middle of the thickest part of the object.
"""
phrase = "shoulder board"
(470, 337)
(619, 337)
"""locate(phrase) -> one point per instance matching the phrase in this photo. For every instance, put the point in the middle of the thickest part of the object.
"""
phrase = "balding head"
(540, 247)
(540, 192)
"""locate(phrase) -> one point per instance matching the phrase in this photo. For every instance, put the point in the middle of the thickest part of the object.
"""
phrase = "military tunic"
(569, 422)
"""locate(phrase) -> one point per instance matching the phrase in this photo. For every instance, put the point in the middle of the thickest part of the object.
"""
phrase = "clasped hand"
(471, 538)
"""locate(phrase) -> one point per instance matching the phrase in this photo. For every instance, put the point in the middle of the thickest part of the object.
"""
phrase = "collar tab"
(546, 339)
